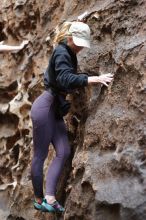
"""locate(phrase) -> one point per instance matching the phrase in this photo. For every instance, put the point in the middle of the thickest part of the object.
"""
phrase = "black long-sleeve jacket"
(61, 74)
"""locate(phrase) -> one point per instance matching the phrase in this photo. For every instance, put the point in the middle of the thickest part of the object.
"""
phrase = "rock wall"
(105, 177)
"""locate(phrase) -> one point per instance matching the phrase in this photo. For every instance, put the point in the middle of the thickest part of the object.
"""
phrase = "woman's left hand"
(104, 79)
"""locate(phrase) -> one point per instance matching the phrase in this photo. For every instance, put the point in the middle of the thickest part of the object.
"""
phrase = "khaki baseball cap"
(80, 33)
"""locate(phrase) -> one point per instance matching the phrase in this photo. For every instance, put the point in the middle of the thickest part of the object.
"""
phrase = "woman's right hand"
(104, 79)
(22, 45)
(1, 43)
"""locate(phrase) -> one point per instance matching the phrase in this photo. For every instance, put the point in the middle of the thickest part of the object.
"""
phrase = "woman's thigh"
(42, 115)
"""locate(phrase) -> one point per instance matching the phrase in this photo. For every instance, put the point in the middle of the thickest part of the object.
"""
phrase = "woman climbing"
(49, 108)
(8, 48)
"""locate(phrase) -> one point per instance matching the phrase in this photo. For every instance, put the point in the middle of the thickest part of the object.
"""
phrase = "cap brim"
(81, 42)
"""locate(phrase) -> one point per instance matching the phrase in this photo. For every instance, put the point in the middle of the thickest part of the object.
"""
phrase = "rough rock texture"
(107, 127)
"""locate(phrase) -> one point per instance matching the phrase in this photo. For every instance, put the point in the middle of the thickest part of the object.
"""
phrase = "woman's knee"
(64, 154)
(40, 157)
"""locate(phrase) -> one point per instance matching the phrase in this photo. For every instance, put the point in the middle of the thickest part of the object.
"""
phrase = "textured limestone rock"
(107, 127)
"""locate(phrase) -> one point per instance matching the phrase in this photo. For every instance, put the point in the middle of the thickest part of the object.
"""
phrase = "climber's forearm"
(4, 48)
(8, 48)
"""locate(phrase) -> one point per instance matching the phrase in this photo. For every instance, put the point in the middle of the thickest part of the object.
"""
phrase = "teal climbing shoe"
(55, 207)
(39, 206)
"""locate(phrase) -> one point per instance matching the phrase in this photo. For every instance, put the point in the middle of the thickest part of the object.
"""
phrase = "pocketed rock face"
(107, 126)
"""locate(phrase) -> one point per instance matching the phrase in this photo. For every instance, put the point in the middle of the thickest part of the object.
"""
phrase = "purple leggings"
(47, 129)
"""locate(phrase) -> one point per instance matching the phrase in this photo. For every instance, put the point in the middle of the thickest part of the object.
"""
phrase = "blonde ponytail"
(62, 32)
